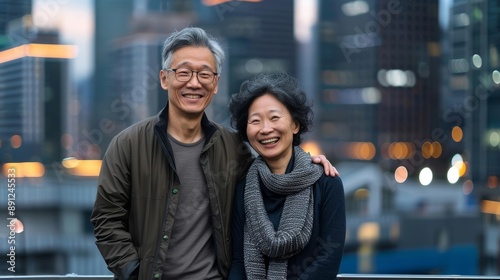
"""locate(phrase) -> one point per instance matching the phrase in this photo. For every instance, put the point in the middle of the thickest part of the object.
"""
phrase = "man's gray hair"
(191, 36)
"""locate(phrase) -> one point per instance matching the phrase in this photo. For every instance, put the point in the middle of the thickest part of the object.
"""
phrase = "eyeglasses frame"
(192, 71)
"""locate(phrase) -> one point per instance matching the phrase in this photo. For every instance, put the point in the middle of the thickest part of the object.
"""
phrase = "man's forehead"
(193, 51)
(193, 55)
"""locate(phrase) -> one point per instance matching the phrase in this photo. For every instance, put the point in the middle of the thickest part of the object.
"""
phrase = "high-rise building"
(12, 10)
(482, 94)
(34, 89)
(102, 94)
(136, 71)
(475, 84)
(258, 37)
(378, 77)
(37, 117)
(128, 60)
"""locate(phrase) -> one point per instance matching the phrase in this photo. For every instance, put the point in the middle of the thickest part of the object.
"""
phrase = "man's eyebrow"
(187, 63)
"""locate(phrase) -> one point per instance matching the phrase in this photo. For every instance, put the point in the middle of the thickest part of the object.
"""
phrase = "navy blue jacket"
(321, 257)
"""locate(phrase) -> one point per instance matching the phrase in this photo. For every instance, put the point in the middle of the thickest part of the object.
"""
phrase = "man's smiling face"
(190, 97)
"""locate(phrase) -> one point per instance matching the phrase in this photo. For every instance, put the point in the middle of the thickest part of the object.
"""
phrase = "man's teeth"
(192, 96)
(267, 141)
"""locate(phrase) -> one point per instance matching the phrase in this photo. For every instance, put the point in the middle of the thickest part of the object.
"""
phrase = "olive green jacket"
(138, 191)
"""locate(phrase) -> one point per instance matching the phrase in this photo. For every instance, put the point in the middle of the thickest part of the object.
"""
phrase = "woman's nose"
(266, 127)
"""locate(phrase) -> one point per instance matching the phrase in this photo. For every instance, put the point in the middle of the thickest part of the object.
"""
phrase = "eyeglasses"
(204, 76)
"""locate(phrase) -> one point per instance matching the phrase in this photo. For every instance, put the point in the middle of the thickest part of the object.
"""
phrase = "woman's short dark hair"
(283, 87)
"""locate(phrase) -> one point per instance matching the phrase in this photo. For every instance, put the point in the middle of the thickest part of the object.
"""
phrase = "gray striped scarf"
(294, 229)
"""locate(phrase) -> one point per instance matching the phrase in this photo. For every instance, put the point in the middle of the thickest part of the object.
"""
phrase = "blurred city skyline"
(406, 100)
(74, 21)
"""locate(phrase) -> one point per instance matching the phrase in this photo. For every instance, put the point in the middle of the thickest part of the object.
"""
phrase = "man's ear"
(216, 84)
(164, 79)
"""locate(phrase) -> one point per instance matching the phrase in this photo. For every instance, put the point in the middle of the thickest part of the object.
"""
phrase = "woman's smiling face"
(270, 129)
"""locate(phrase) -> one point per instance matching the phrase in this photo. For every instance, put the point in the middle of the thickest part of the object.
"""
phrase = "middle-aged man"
(165, 191)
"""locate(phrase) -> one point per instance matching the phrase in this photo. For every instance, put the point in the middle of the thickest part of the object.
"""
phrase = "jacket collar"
(208, 126)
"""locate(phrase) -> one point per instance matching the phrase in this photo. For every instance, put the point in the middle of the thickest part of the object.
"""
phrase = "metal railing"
(340, 277)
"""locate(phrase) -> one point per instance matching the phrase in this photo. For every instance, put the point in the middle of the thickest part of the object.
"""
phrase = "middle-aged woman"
(289, 218)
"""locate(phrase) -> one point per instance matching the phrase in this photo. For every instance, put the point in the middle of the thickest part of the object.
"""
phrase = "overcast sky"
(75, 22)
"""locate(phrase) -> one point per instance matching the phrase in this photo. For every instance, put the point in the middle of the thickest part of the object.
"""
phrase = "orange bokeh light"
(39, 50)
(16, 141)
(311, 147)
(437, 149)
(24, 169)
(401, 174)
(427, 149)
(90, 168)
(399, 150)
(492, 182)
(457, 134)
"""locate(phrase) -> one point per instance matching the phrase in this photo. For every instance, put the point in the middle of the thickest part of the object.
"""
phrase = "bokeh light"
(70, 162)
(453, 175)
(355, 8)
(369, 231)
(24, 169)
(427, 149)
(396, 78)
(468, 187)
(496, 77)
(398, 150)
(456, 158)
(17, 225)
(492, 182)
(16, 141)
(401, 174)
(457, 134)
(477, 61)
(361, 194)
(357, 150)
(425, 176)
(90, 168)
(311, 147)
(437, 149)
(494, 139)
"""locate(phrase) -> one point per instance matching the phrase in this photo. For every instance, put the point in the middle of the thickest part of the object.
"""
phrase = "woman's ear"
(296, 127)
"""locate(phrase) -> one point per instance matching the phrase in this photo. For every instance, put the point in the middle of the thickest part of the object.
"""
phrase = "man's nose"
(194, 82)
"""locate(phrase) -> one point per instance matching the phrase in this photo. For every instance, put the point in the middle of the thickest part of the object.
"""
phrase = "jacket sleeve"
(246, 157)
(237, 271)
(332, 234)
(110, 213)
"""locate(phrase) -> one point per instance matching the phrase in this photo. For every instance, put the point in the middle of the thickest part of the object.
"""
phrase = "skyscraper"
(476, 83)
(378, 74)
(34, 88)
(11, 10)
(35, 130)
(482, 100)
(102, 94)
(258, 38)
(127, 87)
